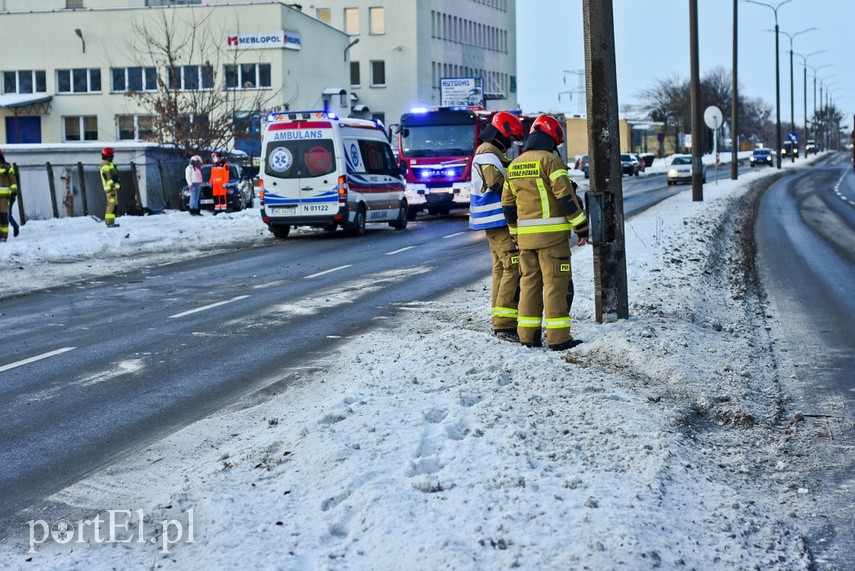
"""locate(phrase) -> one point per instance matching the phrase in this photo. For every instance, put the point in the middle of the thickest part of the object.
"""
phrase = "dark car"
(239, 191)
(761, 157)
(627, 165)
(787, 148)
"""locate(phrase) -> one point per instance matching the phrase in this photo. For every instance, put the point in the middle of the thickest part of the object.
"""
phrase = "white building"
(69, 65)
(405, 47)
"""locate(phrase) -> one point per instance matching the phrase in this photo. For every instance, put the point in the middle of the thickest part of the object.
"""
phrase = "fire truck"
(438, 144)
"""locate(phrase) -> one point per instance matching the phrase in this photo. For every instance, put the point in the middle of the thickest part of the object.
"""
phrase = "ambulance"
(323, 171)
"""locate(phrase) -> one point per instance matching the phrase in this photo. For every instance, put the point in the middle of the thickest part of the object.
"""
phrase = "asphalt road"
(95, 370)
(805, 235)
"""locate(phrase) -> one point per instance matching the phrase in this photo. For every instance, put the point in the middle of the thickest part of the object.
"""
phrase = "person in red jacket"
(219, 180)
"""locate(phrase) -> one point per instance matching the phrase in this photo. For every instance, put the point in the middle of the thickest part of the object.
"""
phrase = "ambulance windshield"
(304, 158)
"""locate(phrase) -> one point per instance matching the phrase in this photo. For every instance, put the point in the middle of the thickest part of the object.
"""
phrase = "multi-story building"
(81, 70)
(401, 49)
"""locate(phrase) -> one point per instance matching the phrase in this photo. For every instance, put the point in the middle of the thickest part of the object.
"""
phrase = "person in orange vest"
(219, 180)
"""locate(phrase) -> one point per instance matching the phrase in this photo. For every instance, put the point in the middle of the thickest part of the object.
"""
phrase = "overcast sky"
(652, 42)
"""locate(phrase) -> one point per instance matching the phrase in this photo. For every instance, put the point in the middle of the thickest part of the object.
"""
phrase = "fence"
(64, 190)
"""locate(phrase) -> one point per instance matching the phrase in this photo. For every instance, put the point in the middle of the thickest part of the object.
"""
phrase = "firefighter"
(8, 188)
(541, 207)
(219, 180)
(485, 213)
(110, 181)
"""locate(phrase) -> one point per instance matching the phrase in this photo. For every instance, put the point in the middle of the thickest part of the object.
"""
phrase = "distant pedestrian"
(219, 180)
(541, 206)
(110, 181)
(193, 176)
(485, 213)
(8, 189)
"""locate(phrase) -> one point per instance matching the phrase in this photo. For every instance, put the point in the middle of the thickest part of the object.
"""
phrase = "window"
(378, 158)
(248, 76)
(134, 79)
(323, 14)
(135, 127)
(300, 158)
(191, 77)
(351, 20)
(378, 73)
(79, 80)
(73, 4)
(25, 81)
(80, 128)
(376, 21)
(354, 74)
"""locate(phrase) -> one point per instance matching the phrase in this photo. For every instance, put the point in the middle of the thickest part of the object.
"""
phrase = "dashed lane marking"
(23, 362)
(328, 271)
(206, 307)
(453, 235)
(839, 194)
(399, 250)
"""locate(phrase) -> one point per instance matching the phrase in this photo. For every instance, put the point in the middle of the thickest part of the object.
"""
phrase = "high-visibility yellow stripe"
(106, 168)
(558, 173)
(505, 312)
(544, 198)
(109, 217)
(14, 187)
(4, 229)
(545, 228)
(578, 220)
(512, 230)
(5, 191)
(557, 322)
(529, 321)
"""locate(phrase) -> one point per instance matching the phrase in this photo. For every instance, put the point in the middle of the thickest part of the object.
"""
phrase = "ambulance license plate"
(283, 210)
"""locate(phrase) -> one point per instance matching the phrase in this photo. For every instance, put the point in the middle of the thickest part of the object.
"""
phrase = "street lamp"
(823, 108)
(815, 69)
(775, 8)
(804, 84)
(792, 104)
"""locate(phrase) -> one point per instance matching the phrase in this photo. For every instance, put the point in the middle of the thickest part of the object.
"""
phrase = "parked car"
(628, 165)
(681, 170)
(810, 147)
(762, 157)
(640, 165)
(239, 190)
(787, 148)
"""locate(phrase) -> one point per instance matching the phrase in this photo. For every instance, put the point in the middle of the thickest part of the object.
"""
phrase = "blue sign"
(793, 137)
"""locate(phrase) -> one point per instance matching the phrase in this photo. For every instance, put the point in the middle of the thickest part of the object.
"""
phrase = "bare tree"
(190, 105)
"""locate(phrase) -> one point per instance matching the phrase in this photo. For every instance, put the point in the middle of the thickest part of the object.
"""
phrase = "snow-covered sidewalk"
(429, 444)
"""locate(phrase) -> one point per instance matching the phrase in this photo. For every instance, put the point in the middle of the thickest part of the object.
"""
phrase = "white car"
(681, 170)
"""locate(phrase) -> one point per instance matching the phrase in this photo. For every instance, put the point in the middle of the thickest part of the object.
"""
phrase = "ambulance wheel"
(280, 231)
(403, 216)
(412, 211)
(358, 226)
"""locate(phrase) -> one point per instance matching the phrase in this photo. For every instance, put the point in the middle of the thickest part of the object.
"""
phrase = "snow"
(660, 441)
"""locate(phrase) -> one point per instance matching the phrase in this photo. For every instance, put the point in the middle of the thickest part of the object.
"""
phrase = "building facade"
(72, 67)
(401, 49)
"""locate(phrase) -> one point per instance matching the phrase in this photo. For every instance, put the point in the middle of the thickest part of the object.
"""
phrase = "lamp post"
(804, 83)
(775, 8)
(814, 122)
(792, 90)
(822, 110)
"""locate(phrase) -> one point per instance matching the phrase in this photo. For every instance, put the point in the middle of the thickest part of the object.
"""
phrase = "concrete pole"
(697, 138)
(792, 106)
(606, 188)
(734, 103)
(777, 94)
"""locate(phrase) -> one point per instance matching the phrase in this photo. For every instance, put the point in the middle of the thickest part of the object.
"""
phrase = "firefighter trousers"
(4, 215)
(546, 286)
(506, 278)
(110, 215)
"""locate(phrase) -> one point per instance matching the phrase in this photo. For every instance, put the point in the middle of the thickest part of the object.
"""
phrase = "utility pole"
(697, 140)
(734, 103)
(605, 199)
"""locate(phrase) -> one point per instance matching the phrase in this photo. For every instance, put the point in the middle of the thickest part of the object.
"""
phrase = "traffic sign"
(713, 117)
(793, 137)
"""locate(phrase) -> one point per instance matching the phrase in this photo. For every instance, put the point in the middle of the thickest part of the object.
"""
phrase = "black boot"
(569, 344)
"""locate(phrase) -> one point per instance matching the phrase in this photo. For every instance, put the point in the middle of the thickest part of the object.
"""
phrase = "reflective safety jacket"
(8, 180)
(540, 202)
(219, 179)
(488, 178)
(109, 176)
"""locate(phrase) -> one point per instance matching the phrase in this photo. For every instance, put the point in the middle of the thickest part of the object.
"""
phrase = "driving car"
(762, 156)
(810, 147)
(239, 190)
(627, 165)
(787, 148)
(681, 170)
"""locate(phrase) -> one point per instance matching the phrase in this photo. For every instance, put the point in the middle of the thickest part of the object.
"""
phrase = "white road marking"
(328, 271)
(839, 194)
(453, 235)
(36, 358)
(399, 250)
(205, 307)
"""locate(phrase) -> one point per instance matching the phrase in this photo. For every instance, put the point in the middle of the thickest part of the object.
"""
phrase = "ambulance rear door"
(301, 170)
